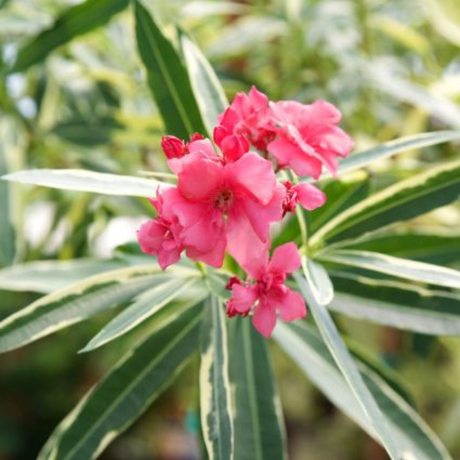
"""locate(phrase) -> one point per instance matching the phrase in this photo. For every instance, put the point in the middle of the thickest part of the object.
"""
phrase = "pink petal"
(150, 236)
(199, 179)
(264, 318)
(335, 141)
(258, 99)
(292, 306)
(167, 258)
(214, 257)
(204, 233)
(243, 298)
(309, 196)
(244, 244)
(260, 216)
(203, 147)
(285, 259)
(252, 175)
(289, 154)
(325, 112)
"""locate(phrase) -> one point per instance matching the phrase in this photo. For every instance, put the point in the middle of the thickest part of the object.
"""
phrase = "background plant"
(87, 107)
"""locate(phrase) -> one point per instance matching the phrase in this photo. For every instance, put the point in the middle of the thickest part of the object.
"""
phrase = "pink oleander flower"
(308, 196)
(247, 117)
(265, 292)
(224, 205)
(161, 237)
(307, 137)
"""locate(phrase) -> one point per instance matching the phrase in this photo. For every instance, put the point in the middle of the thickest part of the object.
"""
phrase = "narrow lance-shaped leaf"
(77, 20)
(145, 306)
(345, 363)
(259, 424)
(209, 93)
(387, 149)
(167, 76)
(88, 181)
(126, 392)
(403, 268)
(439, 248)
(75, 303)
(402, 201)
(412, 436)
(215, 391)
(46, 276)
(396, 304)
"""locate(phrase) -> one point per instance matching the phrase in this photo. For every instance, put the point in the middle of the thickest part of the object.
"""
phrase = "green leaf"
(259, 426)
(10, 152)
(412, 437)
(167, 77)
(387, 149)
(209, 93)
(126, 392)
(319, 282)
(88, 133)
(145, 306)
(395, 304)
(77, 20)
(345, 363)
(394, 266)
(50, 275)
(402, 201)
(88, 181)
(440, 248)
(75, 303)
(215, 391)
(340, 196)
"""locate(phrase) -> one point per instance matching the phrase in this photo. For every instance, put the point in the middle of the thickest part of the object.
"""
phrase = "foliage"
(370, 253)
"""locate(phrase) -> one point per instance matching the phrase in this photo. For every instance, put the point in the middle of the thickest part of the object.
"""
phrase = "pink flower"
(307, 137)
(224, 205)
(161, 237)
(246, 117)
(269, 291)
(309, 196)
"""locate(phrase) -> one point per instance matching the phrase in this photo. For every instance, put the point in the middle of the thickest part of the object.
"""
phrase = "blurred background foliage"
(393, 69)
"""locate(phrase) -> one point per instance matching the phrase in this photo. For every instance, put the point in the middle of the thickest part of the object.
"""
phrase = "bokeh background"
(393, 69)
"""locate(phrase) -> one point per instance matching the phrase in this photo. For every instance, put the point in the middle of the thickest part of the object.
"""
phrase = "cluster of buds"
(226, 199)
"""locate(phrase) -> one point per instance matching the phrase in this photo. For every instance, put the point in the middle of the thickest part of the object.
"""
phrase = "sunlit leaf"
(88, 181)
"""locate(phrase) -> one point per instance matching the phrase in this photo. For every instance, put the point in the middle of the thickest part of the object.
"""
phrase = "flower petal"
(289, 154)
(285, 259)
(309, 196)
(244, 244)
(292, 306)
(199, 179)
(264, 318)
(243, 298)
(252, 175)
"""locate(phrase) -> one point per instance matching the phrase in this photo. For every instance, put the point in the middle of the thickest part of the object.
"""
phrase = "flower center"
(224, 199)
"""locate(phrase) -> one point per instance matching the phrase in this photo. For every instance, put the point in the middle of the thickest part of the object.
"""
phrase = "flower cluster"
(226, 199)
